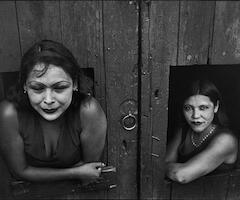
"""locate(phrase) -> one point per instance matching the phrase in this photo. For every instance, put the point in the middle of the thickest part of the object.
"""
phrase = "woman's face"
(50, 94)
(199, 112)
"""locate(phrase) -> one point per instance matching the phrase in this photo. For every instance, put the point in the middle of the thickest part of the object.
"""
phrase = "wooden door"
(130, 46)
(180, 33)
(103, 36)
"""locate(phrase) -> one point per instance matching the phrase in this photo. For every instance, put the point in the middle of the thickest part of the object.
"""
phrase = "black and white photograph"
(119, 99)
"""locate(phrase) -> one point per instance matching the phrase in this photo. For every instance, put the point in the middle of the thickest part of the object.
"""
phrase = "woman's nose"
(195, 114)
(48, 99)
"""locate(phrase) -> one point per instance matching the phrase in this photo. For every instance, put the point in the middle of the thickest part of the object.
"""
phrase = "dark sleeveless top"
(184, 157)
(68, 150)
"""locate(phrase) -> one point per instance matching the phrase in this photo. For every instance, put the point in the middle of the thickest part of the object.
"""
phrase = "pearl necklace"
(204, 138)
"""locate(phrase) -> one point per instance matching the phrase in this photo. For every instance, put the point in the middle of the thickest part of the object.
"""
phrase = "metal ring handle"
(129, 117)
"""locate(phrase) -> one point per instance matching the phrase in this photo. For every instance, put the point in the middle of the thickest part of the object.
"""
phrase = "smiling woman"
(203, 142)
(52, 128)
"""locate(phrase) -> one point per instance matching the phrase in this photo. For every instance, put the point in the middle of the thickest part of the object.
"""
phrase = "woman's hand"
(88, 171)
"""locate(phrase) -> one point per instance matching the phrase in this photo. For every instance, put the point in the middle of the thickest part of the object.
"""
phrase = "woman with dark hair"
(52, 128)
(203, 142)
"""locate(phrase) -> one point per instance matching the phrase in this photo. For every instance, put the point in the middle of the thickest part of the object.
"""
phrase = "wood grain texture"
(233, 192)
(82, 34)
(205, 188)
(160, 30)
(120, 50)
(38, 20)
(226, 38)
(1, 87)
(9, 47)
(195, 31)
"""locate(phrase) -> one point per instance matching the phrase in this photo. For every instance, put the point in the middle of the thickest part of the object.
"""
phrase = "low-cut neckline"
(47, 151)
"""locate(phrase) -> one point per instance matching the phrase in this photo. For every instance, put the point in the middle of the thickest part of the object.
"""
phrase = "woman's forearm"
(89, 171)
(48, 174)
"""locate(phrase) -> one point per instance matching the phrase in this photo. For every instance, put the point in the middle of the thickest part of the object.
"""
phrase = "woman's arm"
(220, 150)
(12, 150)
(172, 147)
(94, 126)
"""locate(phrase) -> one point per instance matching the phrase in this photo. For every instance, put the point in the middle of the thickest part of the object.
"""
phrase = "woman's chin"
(198, 129)
(50, 117)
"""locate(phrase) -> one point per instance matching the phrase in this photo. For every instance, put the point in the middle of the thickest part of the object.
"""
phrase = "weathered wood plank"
(234, 186)
(1, 87)
(195, 31)
(205, 188)
(9, 47)
(226, 37)
(38, 20)
(82, 34)
(160, 31)
(121, 48)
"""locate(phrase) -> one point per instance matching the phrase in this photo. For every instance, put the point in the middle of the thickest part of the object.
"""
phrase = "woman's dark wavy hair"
(206, 88)
(49, 52)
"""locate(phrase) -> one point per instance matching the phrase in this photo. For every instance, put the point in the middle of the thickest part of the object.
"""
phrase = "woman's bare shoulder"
(8, 120)
(90, 106)
(226, 140)
(226, 135)
(91, 113)
(7, 110)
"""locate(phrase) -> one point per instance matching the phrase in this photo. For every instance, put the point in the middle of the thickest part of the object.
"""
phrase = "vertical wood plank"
(205, 188)
(82, 34)
(120, 50)
(159, 36)
(1, 87)
(9, 46)
(234, 186)
(38, 20)
(195, 31)
(226, 37)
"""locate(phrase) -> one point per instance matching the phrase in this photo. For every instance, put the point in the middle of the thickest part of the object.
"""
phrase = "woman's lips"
(49, 111)
(197, 123)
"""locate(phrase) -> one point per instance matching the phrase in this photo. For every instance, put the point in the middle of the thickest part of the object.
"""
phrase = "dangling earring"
(24, 91)
(75, 89)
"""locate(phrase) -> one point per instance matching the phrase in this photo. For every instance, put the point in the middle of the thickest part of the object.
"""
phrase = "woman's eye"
(59, 89)
(186, 108)
(203, 107)
(37, 89)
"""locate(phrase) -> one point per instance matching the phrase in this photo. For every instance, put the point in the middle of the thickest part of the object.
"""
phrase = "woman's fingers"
(98, 164)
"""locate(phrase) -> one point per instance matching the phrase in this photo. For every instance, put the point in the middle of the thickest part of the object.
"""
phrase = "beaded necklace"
(212, 129)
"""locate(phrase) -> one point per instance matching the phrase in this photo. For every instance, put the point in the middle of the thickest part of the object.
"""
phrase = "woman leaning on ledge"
(203, 143)
(52, 129)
